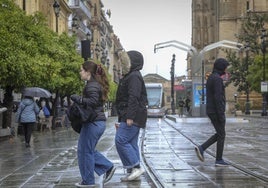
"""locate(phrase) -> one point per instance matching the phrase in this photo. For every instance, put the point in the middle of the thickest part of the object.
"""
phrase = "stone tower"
(217, 20)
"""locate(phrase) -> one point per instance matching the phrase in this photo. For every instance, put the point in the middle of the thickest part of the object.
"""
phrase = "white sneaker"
(81, 185)
(136, 172)
(125, 178)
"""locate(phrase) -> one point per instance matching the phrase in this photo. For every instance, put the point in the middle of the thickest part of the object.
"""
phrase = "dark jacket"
(215, 89)
(92, 96)
(131, 97)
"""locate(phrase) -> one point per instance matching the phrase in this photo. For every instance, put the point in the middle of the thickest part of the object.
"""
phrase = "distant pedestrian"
(95, 93)
(215, 96)
(181, 106)
(44, 111)
(26, 116)
(131, 101)
(187, 104)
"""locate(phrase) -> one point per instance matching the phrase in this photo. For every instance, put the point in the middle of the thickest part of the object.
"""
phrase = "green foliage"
(33, 55)
(112, 93)
(249, 72)
(256, 72)
(238, 76)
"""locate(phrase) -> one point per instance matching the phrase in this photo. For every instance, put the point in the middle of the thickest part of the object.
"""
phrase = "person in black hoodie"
(131, 101)
(215, 95)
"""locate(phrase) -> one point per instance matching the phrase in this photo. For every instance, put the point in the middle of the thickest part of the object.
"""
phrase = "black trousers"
(219, 137)
(28, 129)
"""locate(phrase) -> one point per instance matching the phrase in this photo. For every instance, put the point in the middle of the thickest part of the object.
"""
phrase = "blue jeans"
(89, 159)
(126, 141)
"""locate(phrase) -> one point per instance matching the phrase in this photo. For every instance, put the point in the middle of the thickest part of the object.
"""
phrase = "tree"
(33, 55)
(244, 71)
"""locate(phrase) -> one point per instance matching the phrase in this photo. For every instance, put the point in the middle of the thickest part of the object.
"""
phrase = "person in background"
(187, 104)
(181, 106)
(26, 116)
(95, 93)
(215, 97)
(45, 109)
(131, 101)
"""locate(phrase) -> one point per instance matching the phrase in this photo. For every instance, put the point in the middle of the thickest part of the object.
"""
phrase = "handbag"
(79, 114)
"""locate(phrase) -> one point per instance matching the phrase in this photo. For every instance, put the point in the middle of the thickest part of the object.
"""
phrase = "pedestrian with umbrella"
(26, 116)
(28, 110)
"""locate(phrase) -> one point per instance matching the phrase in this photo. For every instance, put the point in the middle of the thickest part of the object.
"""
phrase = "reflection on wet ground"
(168, 150)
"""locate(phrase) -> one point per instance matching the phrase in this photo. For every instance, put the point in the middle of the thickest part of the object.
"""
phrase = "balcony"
(80, 9)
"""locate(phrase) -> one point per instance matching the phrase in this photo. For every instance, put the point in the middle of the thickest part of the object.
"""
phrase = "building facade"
(218, 20)
(88, 22)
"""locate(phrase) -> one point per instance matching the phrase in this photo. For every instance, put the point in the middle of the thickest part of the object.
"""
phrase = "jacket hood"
(220, 65)
(27, 101)
(136, 60)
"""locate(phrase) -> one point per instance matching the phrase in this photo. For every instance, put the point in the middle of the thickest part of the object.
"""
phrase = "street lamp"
(56, 7)
(247, 84)
(263, 49)
(196, 58)
(172, 83)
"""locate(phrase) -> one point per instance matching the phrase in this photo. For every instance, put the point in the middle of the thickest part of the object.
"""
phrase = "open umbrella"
(36, 92)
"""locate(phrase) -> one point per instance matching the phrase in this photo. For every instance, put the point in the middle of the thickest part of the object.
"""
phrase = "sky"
(140, 24)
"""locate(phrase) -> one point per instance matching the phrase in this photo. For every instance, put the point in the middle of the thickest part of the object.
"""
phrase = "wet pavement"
(169, 151)
(51, 161)
(168, 148)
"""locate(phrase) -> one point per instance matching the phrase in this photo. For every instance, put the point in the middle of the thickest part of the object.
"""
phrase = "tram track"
(159, 182)
(233, 164)
(152, 175)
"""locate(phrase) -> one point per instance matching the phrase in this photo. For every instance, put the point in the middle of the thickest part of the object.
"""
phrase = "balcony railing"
(80, 8)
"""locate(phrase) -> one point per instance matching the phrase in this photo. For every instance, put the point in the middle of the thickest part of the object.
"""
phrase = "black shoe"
(109, 174)
(27, 145)
(221, 163)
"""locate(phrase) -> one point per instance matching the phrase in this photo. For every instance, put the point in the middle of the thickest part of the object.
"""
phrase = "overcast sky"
(140, 24)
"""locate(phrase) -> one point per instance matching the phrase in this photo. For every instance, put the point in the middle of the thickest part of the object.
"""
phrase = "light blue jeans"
(126, 141)
(89, 159)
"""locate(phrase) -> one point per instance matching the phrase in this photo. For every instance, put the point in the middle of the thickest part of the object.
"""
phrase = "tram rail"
(159, 182)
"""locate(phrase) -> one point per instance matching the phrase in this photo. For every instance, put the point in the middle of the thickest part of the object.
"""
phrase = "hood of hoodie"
(136, 60)
(27, 102)
(220, 65)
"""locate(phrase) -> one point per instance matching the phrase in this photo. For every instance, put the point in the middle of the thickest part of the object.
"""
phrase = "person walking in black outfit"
(131, 101)
(215, 96)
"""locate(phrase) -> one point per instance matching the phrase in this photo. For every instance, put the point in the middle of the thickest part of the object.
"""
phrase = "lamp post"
(263, 49)
(247, 84)
(202, 104)
(172, 83)
(196, 58)
(56, 7)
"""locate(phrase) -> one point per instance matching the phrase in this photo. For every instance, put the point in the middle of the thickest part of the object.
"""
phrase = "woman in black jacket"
(131, 101)
(95, 94)
(215, 95)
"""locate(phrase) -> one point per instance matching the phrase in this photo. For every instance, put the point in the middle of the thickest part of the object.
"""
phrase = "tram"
(155, 96)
